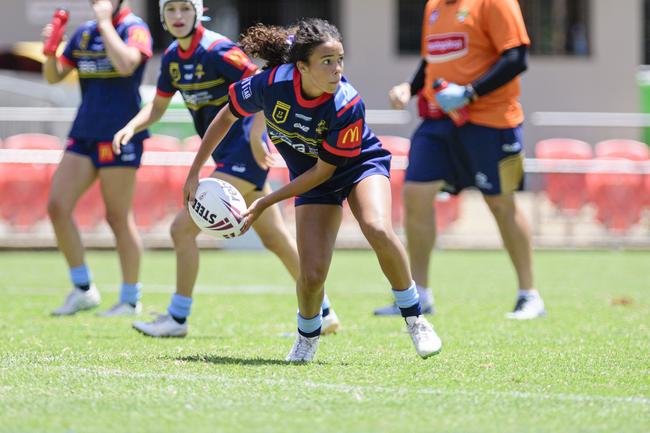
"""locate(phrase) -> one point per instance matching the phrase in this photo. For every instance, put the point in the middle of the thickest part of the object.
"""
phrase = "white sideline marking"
(348, 389)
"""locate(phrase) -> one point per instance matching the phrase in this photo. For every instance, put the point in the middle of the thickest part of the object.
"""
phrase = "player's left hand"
(103, 10)
(253, 212)
(452, 97)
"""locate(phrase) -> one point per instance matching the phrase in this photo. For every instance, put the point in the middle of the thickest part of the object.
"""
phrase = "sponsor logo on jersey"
(481, 181)
(303, 117)
(350, 137)
(280, 112)
(445, 47)
(246, 88)
(302, 127)
(105, 152)
(174, 72)
(237, 58)
(434, 17)
(321, 129)
(511, 147)
(199, 71)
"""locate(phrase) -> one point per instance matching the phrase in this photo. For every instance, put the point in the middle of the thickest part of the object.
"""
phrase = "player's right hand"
(400, 96)
(122, 137)
(189, 189)
(46, 32)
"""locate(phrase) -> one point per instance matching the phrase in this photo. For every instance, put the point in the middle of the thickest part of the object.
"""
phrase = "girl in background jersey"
(316, 120)
(109, 54)
(202, 64)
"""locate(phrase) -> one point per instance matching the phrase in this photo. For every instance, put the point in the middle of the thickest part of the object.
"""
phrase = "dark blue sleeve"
(345, 136)
(247, 95)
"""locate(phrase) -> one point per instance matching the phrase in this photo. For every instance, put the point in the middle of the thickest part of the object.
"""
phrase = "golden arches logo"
(351, 135)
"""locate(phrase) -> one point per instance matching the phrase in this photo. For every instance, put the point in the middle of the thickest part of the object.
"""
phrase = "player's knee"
(180, 231)
(501, 207)
(56, 209)
(313, 278)
(377, 232)
(274, 242)
(117, 220)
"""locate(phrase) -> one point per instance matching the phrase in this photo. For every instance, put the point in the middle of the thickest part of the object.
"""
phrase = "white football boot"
(331, 323)
(527, 307)
(79, 300)
(163, 326)
(122, 309)
(425, 339)
(304, 349)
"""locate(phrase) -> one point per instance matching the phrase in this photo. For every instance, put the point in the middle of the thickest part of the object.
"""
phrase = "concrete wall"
(605, 81)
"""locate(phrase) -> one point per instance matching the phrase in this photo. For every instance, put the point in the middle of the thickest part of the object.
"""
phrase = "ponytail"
(279, 45)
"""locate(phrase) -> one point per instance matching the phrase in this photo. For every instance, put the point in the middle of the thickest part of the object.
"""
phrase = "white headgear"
(198, 8)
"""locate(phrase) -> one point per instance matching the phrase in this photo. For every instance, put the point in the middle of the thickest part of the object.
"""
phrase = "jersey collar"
(196, 39)
(121, 15)
(306, 103)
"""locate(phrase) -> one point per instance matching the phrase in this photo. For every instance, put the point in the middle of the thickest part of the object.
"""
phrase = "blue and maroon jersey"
(331, 127)
(203, 74)
(108, 100)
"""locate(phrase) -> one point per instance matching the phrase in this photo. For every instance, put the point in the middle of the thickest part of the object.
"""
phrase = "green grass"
(584, 368)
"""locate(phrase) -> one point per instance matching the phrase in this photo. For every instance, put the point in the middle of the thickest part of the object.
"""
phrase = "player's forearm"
(310, 179)
(147, 116)
(124, 59)
(217, 130)
(52, 70)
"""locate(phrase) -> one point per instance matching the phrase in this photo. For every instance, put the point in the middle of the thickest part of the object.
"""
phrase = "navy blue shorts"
(235, 157)
(490, 159)
(379, 165)
(101, 152)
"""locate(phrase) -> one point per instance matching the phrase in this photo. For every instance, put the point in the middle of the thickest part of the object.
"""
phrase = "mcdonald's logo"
(350, 137)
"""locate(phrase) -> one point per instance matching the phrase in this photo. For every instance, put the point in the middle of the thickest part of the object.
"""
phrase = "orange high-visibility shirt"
(462, 40)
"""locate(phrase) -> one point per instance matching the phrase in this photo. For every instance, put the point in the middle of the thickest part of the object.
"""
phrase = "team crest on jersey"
(280, 112)
(174, 71)
(462, 15)
(321, 129)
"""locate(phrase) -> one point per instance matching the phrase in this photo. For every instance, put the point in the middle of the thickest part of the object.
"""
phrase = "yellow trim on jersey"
(199, 86)
(86, 53)
(112, 74)
(306, 140)
(216, 102)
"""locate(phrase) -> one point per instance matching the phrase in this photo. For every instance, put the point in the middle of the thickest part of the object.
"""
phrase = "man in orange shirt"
(470, 135)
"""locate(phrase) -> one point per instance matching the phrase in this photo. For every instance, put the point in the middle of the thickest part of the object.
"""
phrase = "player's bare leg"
(371, 205)
(118, 188)
(72, 178)
(517, 241)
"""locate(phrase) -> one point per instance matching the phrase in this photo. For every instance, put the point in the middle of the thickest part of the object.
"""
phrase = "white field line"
(355, 389)
(201, 289)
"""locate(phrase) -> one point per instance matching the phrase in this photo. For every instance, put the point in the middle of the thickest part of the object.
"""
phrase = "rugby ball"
(217, 208)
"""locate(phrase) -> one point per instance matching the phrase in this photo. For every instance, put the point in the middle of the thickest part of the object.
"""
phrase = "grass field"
(584, 368)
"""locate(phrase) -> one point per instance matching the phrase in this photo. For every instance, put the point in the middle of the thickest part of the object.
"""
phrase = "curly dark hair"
(279, 45)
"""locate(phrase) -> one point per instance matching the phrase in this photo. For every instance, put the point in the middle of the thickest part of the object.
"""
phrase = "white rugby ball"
(217, 208)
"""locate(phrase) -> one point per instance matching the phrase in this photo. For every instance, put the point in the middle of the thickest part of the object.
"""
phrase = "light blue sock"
(80, 275)
(406, 298)
(310, 327)
(326, 302)
(130, 293)
(180, 306)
